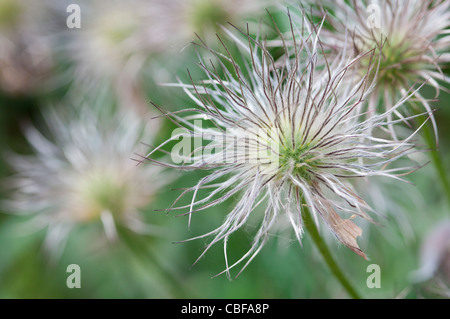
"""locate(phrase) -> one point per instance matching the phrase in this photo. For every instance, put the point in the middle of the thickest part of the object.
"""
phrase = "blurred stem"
(310, 226)
(150, 258)
(430, 140)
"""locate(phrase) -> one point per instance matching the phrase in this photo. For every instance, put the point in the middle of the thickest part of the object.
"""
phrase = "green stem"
(310, 226)
(436, 158)
(149, 257)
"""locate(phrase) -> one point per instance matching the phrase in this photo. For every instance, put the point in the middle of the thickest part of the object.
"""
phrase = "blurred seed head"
(25, 49)
(82, 173)
(434, 266)
(120, 42)
(411, 37)
(205, 17)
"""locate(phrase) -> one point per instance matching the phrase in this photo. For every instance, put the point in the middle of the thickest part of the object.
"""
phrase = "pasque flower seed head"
(82, 173)
(285, 135)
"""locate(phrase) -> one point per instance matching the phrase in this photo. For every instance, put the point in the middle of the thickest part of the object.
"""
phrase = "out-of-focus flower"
(119, 39)
(83, 174)
(412, 37)
(204, 17)
(114, 42)
(284, 135)
(25, 51)
(435, 258)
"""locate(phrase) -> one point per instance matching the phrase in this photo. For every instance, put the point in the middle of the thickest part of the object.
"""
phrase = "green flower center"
(205, 14)
(101, 192)
(298, 160)
(394, 66)
(398, 63)
(117, 27)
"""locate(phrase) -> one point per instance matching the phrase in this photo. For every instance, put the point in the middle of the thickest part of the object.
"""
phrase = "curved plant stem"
(436, 158)
(150, 259)
(310, 226)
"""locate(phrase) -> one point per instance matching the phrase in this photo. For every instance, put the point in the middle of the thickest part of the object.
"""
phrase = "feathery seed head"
(286, 135)
(411, 36)
(82, 175)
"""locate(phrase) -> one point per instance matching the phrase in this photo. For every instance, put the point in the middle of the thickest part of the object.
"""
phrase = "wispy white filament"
(319, 140)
